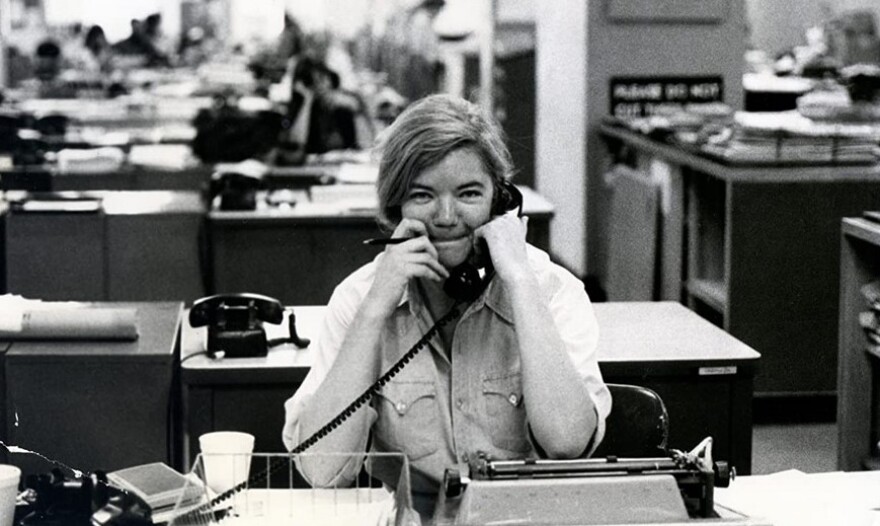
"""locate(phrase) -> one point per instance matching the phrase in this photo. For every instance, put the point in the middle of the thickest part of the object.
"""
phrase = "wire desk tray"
(262, 489)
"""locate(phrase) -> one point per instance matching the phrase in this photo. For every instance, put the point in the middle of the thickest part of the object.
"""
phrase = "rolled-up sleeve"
(324, 351)
(576, 321)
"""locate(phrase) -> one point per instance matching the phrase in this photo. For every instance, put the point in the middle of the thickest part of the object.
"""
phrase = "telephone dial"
(235, 324)
(463, 285)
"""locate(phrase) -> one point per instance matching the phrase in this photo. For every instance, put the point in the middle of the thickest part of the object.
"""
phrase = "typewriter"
(677, 489)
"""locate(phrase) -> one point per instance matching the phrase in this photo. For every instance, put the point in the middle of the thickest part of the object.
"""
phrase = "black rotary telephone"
(464, 285)
(235, 324)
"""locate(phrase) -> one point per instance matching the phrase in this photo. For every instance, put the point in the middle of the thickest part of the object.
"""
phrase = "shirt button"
(459, 403)
(513, 399)
(401, 407)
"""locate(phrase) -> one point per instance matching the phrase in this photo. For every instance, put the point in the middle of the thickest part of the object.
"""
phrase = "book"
(160, 486)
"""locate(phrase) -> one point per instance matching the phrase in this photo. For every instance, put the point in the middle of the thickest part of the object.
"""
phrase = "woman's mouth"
(450, 241)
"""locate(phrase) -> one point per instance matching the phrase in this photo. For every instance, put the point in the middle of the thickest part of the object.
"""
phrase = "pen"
(382, 241)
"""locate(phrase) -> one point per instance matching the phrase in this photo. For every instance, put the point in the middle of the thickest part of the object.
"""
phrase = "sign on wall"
(644, 96)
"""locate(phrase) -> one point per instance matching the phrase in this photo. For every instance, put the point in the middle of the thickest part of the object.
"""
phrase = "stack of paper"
(788, 137)
(346, 197)
(163, 156)
(93, 160)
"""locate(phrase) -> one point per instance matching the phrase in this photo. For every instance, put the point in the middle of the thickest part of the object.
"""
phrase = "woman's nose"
(446, 213)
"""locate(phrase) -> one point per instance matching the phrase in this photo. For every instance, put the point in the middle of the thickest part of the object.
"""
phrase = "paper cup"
(226, 458)
(9, 477)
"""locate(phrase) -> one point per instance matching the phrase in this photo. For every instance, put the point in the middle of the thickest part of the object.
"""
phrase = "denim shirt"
(442, 409)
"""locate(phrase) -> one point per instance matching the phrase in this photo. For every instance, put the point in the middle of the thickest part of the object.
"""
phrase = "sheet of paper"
(792, 497)
(325, 507)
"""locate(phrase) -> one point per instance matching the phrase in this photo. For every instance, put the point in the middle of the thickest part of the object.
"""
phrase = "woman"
(513, 375)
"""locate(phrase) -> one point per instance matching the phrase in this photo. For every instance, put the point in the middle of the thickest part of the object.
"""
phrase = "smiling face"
(452, 198)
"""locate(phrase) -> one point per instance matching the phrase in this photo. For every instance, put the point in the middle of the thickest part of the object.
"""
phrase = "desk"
(130, 177)
(756, 250)
(299, 255)
(43, 178)
(139, 246)
(96, 404)
(857, 422)
(703, 374)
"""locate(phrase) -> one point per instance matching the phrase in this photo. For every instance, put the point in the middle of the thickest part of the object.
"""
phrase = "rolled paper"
(73, 323)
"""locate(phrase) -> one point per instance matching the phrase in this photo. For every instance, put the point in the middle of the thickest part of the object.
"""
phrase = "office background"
(549, 78)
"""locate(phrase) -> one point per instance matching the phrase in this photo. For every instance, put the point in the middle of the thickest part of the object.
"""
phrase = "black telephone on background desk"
(235, 324)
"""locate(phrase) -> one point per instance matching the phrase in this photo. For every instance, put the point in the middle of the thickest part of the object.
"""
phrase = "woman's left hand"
(505, 236)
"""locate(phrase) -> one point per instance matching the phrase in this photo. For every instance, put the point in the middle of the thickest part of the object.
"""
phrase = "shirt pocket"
(503, 400)
(407, 418)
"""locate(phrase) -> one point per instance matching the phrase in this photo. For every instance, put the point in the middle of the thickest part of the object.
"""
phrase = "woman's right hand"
(416, 258)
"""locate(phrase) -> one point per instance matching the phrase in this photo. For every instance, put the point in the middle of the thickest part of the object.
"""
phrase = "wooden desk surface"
(640, 335)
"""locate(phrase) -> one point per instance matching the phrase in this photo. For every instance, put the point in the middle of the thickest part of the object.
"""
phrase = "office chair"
(638, 425)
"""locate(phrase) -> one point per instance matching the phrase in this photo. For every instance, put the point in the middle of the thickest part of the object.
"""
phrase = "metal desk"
(96, 404)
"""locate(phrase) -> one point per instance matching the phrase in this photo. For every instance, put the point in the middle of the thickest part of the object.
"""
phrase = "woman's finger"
(420, 244)
(429, 261)
(410, 228)
(423, 271)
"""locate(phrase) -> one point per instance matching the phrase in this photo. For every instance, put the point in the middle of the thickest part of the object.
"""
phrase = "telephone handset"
(235, 323)
(464, 285)
(464, 282)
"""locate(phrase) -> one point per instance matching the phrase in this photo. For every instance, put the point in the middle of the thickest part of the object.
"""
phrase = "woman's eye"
(419, 197)
(471, 194)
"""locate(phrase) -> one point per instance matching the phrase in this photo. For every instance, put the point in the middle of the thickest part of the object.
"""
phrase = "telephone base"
(246, 343)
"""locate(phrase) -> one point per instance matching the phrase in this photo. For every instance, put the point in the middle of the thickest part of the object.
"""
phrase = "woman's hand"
(416, 258)
(505, 236)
